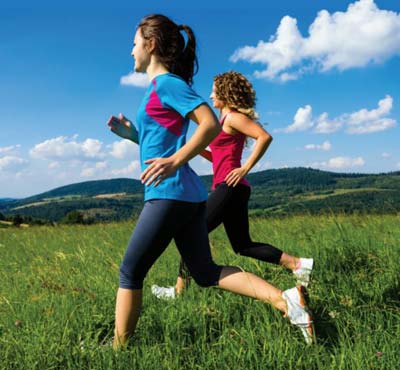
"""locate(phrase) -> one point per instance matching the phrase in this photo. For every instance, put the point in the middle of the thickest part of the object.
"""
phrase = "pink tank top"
(227, 152)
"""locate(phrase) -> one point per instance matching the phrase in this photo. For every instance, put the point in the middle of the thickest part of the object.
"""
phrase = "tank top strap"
(222, 119)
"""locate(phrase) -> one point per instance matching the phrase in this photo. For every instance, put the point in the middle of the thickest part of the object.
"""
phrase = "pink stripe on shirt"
(167, 118)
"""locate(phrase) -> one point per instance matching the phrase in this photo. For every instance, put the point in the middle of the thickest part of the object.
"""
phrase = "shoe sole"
(309, 330)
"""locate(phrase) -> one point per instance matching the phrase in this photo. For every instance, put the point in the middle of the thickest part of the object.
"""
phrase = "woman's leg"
(236, 223)
(215, 211)
(193, 245)
(250, 285)
(183, 277)
(192, 242)
(154, 230)
(229, 205)
(288, 261)
(180, 285)
(290, 302)
(127, 312)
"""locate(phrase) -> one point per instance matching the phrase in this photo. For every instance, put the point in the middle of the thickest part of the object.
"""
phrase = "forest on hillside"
(275, 192)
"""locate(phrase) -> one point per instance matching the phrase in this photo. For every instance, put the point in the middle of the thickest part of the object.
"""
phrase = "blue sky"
(326, 75)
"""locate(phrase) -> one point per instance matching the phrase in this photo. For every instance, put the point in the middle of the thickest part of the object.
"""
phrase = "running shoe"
(303, 273)
(163, 292)
(298, 313)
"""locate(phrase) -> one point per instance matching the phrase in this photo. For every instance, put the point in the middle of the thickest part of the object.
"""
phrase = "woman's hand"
(233, 178)
(158, 170)
(123, 127)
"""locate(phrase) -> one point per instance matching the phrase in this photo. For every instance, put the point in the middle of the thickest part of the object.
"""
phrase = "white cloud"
(384, 107)
(382, 124)
(324, 125)
(326, 145)
(386, 155)
(53, 165)
(260, 166)
(124, 149)
(361, 122)
(338, 163)
(130, 170)
(135, 79)
(12, 163)
(97, 170)
(91, 148)
(282, 52)
(66, 149)
(201, 165)
(62, 176)
(361, 35)
(302, 120)
(88, 172)
(101, 165)
(367, 121)
(9, 149)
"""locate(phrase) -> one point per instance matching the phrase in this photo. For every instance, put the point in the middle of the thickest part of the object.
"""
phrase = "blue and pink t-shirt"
(162, 125)
(226, 150)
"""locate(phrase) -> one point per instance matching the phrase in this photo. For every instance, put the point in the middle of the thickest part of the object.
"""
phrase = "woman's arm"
(123, 127)
(241, 123)
(208, 128)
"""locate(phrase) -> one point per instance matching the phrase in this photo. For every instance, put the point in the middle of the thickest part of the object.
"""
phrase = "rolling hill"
(274, 192)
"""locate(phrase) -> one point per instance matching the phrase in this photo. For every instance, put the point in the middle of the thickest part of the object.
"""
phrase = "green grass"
(60, 283)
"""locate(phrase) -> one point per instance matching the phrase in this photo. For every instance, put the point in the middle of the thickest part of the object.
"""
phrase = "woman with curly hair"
(233, 95)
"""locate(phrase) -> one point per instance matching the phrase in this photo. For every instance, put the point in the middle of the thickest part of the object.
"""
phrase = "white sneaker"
(162, 292)
(298, 313)
(303, 273)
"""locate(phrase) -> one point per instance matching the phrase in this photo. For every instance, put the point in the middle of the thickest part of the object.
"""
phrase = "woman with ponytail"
(175, 198)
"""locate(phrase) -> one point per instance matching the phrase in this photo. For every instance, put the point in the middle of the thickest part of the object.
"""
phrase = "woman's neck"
(155, 68)
(224, 110)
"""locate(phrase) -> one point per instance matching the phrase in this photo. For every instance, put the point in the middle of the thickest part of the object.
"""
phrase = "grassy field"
(57, 289)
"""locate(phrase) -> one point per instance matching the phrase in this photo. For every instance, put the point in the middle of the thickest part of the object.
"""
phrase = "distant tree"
(2, 217)
(73, 217)
(17, 220)
(297, 190)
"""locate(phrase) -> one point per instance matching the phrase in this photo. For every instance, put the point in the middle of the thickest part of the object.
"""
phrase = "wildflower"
(333, 314)
(346, 301)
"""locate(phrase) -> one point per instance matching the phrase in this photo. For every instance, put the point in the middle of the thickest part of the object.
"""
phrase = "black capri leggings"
(160, 221)
(229, 206)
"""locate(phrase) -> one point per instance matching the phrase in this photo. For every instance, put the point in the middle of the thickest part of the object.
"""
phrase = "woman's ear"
(150, 45)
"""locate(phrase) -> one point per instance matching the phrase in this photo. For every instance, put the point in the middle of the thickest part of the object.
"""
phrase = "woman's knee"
(240, 247)
(207, 278)
(129, 280)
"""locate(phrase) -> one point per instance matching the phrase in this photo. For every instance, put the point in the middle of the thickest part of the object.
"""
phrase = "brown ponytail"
(188, 65)
(170, 47)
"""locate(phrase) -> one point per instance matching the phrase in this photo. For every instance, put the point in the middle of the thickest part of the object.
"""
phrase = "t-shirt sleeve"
(176, 94)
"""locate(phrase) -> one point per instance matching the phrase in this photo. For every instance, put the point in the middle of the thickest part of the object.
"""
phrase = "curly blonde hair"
(236, 92)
